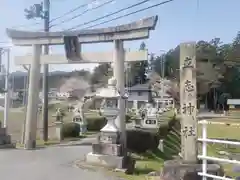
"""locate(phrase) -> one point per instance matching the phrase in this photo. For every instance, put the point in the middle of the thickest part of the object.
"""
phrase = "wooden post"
(188, 101)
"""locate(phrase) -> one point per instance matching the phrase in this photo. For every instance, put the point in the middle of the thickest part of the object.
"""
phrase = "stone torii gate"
(73, 41)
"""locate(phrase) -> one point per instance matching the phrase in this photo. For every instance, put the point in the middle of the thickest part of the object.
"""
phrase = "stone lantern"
(108, 149)
(109, 109)
(138, 120)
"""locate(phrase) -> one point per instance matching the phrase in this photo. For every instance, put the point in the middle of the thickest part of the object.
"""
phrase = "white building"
(142, 93)
(164, 101)
(63, 95)
(138, 95)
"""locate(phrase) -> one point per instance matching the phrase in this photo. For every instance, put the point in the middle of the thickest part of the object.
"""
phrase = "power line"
(125, 15)
(54, 19)
(84, 12)
(110, 14)
(69, 12)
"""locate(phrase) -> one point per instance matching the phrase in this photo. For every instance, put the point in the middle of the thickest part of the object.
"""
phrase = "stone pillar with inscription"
(188, 167)
(188, 102)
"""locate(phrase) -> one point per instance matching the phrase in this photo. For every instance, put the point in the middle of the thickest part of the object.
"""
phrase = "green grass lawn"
(145, 163)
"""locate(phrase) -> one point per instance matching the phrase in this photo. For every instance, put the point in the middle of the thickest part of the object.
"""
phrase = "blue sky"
(179, 21)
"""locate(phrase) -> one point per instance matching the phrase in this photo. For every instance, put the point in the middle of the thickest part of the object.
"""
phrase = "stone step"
(7, 146)
(3, 131)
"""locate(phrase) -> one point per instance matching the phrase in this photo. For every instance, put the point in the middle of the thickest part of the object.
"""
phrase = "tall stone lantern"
(108, 151)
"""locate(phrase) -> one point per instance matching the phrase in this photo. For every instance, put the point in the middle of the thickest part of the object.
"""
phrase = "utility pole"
(4, 70)
(162, 74)
(1, 52)
(42, 11)
(46, 15)
(7, 99)
(26, 84)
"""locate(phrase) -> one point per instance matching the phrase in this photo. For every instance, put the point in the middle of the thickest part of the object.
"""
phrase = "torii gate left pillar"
(33, 97)
(133, 31)
(118, 73)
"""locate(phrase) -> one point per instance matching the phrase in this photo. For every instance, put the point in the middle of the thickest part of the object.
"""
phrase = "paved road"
(46, 164)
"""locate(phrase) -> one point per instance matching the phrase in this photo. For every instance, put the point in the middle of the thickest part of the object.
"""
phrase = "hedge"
(70, 130)
(96, 123)
(140, 141)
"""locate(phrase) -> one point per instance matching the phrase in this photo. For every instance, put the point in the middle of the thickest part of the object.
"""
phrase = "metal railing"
(204, 157)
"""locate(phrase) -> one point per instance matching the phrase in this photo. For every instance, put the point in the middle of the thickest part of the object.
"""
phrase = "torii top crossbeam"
(132, 31)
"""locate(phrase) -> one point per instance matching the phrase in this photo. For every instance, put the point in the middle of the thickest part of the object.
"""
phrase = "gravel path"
(46, 164)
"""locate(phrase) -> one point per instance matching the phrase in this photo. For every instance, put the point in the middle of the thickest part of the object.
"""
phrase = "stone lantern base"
(5, 139)
(124, 163)
(59, 127)
(108, 152)
(138, 123)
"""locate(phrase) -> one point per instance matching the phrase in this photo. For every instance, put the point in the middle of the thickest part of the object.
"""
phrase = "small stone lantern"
(138, 120)
(78, 118)
(151, 119)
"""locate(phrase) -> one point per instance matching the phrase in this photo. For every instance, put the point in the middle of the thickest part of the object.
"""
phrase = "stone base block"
(83, 129)
(58, 129)
(109, 161)
(113, 162)
(7, 146)
(3, 131)
(177, 170)
(30, 144)
(107, 149)
(5, 139)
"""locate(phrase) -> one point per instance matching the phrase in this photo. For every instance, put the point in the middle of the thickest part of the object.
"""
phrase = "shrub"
(163, 130)
(70, 130)
(166, 127)
(96, 123)
(127, 118)
(140, 141)
(172, 123)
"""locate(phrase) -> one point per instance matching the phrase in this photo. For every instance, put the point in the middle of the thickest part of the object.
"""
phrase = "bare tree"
(78, 86)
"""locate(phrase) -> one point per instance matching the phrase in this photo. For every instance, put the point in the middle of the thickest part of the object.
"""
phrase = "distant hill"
(56, 78)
